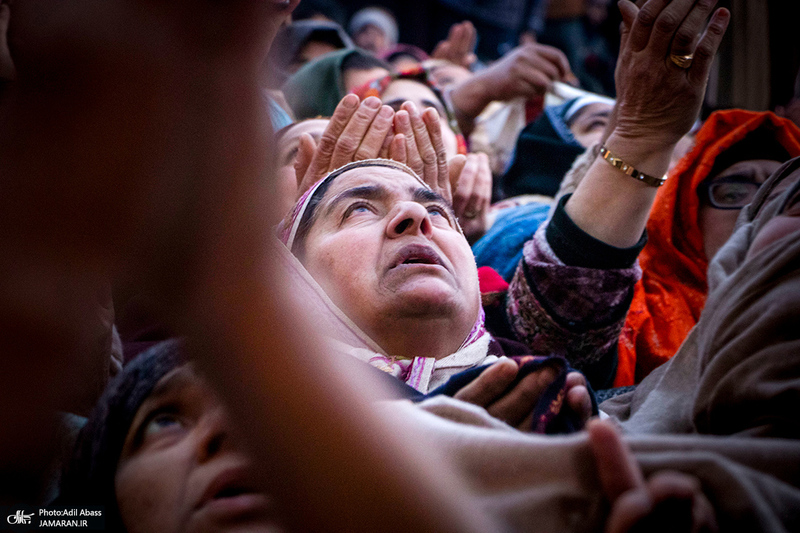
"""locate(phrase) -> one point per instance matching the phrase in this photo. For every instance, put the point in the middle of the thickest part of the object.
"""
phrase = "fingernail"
(372, 102)
(386, 112)
(412, 108)
(350, 101)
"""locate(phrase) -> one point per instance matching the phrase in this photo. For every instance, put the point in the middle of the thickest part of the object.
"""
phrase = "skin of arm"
(657, 101)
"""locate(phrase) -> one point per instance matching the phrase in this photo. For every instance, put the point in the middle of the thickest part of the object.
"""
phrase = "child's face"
(180, 469)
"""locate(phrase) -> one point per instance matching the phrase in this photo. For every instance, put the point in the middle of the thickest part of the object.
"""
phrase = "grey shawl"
(725, 409)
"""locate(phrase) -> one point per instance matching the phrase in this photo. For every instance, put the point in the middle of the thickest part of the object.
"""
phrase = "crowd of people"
(276, 272)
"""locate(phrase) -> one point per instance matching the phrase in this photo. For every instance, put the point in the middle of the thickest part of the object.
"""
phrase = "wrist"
(648, 155)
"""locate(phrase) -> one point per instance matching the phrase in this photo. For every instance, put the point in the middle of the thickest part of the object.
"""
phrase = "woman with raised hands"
(572, 289)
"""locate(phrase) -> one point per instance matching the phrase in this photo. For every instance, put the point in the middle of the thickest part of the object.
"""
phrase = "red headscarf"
(667, 301)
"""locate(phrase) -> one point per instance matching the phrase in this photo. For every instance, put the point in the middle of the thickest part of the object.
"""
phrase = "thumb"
(305, 154)
(454, 168)
(616, 466)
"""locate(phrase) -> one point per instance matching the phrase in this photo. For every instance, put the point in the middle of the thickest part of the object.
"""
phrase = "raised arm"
(527, 71)
(659, 97)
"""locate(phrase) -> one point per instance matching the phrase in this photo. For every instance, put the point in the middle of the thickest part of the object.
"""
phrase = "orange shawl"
(667, 301)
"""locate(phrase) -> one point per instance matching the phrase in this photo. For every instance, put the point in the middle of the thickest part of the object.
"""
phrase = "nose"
(409, 218)
(214, 433)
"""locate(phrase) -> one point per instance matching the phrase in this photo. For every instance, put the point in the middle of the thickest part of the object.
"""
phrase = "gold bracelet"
(616, 162)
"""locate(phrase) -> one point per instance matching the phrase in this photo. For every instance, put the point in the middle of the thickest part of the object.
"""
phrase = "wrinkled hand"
(459, 46)
(657, 100)
(527, 71)
(473, 195)
(368, 130)
(356, 131)
(423, 149)
(667, 501)
(515, 407)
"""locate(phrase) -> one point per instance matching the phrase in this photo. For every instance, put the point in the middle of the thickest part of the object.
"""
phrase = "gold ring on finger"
(682, 61)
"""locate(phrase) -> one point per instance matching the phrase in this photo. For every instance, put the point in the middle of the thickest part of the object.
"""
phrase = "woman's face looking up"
(385, 249)
(180, 469)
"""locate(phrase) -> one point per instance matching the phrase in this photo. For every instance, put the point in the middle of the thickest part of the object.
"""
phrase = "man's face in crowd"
(384, 247)
(180, 470)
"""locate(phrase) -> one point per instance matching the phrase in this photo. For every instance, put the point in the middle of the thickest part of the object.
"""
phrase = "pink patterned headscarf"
(421, 373)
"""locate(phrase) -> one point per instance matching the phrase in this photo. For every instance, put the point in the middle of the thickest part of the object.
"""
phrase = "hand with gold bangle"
(666, 51)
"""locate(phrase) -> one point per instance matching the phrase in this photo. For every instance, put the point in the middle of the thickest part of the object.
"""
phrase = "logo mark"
(20, 518)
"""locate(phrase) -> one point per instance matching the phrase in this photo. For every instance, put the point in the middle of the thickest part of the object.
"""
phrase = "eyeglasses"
(728, 193)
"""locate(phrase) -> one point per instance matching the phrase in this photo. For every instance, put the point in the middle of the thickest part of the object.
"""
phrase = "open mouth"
(229, 486)
(416, 254)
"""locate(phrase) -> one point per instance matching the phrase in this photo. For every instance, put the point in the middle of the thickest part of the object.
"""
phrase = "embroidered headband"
(287, 231)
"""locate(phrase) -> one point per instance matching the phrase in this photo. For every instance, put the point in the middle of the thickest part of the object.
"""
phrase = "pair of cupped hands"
(367, 130)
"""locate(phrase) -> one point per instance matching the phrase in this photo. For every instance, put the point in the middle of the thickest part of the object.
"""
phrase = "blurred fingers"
(557, 59)
(578, 398)
(454, 168)
(306, 147)
(628, 510)
(443, 50)
(480, 196)
(466, 184)
(579, 401)
(616, 467)
(671, 485)
(472, 36)
(545, 67)
(484, 185)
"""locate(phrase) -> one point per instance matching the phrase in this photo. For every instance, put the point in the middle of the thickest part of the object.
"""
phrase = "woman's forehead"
(392, 179)
(757, 168)
(409, 90)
